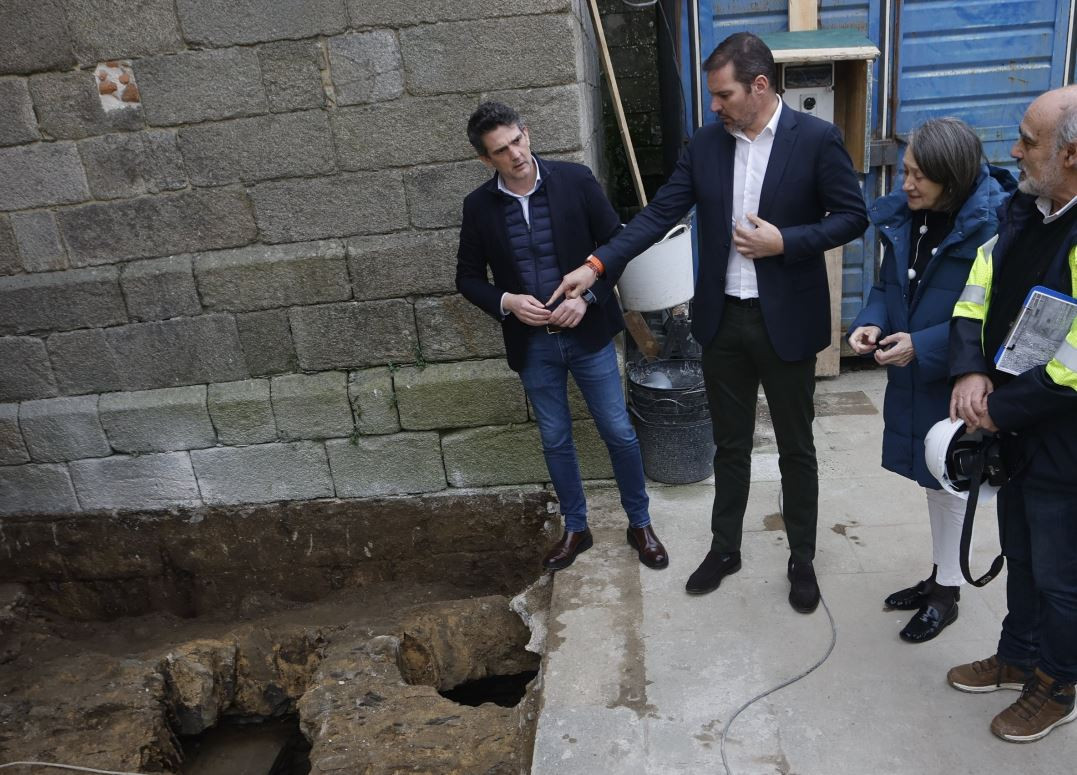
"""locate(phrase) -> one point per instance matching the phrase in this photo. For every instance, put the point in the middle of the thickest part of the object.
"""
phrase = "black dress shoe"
(911, 598)
(711, 571)
(564, 552)
(650, 549)
(932, 618)
(908, 599)
(804, 589)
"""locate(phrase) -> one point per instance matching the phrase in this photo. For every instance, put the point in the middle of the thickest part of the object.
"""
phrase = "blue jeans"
(550, 358)
(1038, 528)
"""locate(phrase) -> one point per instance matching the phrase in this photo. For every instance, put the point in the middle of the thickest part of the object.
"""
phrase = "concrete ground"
(641, 678)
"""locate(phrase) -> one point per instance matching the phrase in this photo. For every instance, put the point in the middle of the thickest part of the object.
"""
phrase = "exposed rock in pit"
(118, 699)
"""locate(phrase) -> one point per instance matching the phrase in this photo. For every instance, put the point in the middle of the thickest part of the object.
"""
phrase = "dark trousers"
(735, 363)
(1038, 528)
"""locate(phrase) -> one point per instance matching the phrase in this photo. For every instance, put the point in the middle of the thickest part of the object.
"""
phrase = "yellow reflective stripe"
(1073, 271)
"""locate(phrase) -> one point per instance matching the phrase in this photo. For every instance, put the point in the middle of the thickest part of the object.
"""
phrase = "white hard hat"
(943, 442)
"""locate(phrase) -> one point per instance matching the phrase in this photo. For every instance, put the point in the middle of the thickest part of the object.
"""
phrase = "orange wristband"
(596, 265)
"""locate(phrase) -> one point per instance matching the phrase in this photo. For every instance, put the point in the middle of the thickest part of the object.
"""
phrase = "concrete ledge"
(158, 420)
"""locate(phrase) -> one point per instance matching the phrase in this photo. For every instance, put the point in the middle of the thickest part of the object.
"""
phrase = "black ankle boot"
(938, 611)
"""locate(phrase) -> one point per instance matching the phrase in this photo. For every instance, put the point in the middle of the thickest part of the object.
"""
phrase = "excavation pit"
(134, 641)
(504, 690)
(274, 747)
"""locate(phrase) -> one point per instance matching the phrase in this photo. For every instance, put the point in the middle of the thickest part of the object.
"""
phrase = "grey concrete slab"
(640, 677)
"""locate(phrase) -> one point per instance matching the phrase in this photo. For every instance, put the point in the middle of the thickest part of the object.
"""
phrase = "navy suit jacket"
(810, 192)
(582, 219)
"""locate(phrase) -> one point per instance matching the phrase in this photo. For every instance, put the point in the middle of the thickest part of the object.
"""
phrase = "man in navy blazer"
(531, 223)
(773, 190)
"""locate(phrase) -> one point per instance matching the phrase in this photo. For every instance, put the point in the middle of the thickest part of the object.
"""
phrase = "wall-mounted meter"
(809, 88)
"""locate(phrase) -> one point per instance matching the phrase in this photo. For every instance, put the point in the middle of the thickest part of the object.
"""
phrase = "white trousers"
(947, 513)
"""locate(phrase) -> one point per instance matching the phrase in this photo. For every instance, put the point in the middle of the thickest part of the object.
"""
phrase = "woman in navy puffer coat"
(946, 209)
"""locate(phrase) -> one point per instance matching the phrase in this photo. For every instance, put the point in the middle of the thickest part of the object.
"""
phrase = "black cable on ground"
(768, 692)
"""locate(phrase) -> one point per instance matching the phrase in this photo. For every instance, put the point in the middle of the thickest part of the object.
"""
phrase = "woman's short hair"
(949, 153)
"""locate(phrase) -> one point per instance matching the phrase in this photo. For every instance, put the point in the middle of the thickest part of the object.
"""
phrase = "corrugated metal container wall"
(981, 60)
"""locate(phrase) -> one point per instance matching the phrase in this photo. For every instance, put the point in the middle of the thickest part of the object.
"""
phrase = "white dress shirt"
(749, 166)
(1043, 204)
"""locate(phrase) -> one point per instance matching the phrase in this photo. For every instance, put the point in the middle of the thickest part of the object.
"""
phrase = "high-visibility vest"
(976, 298)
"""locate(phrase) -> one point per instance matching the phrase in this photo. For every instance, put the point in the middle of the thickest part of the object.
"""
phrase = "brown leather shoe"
(562, 554)
(650, 549)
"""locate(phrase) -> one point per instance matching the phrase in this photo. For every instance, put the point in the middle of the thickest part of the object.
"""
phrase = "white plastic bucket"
(661, 276)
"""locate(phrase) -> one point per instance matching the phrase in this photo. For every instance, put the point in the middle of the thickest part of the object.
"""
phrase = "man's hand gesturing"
(574, 284)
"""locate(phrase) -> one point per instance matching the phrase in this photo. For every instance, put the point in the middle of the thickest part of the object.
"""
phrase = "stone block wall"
(227, 246)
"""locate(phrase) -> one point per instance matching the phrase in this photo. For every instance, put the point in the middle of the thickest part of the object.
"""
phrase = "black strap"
(975, 478)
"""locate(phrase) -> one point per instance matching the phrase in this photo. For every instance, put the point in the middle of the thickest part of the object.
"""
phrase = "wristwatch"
(589, 296)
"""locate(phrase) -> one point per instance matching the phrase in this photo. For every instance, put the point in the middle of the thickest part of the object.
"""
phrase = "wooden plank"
(803, 15)
(641, 334)
(828, 362)
(819, 45)
(851, 84)
(634, 321)
(618, 107)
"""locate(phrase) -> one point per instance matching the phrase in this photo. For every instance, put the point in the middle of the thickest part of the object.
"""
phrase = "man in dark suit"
(773, 189)
(532, 222)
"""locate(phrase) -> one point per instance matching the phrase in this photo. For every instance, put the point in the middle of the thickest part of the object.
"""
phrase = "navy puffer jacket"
(918, 395)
